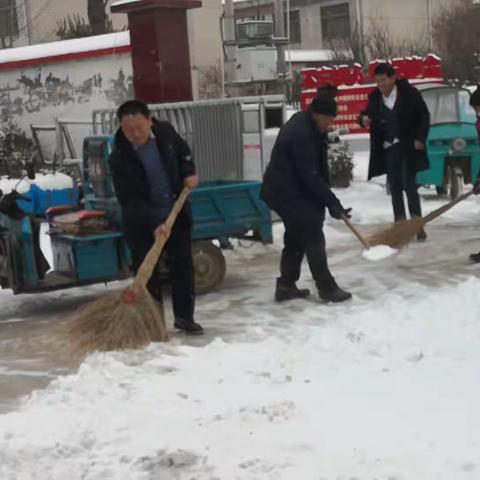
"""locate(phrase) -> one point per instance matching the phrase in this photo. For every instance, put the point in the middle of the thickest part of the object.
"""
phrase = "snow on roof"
(65, 47)
(300, 56)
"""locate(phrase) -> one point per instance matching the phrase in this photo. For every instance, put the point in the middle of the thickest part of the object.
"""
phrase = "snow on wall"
(65, 47)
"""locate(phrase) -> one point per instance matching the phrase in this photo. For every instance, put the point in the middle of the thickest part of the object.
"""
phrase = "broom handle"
(150, 262)
(355, 232)
(439, 211)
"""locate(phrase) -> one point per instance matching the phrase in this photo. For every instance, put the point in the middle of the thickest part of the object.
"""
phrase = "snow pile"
(44, 181)
(375, 254)
(385, 389)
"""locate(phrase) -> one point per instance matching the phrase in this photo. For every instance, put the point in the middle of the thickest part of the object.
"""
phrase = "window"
(335, 21)
(8, 23)
(295, 28)
(442, 104)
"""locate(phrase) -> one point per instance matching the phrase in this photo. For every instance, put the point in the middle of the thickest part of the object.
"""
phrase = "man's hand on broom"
(162, 231)
(191, 182)
(419, 145)
(338, 212)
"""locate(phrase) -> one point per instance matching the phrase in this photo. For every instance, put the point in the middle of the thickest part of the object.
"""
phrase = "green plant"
(340, 162)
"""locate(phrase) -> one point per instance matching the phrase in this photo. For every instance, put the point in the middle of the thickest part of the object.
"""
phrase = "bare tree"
(97, 16)
(349, 49)
(456, 34)
(8, 23)
(77, 26)
(379, 41)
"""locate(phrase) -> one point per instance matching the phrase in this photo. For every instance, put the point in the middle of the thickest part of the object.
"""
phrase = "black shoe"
(334, 295)
(190, 327)
(290, 292)
(421, 235)
(475, 257)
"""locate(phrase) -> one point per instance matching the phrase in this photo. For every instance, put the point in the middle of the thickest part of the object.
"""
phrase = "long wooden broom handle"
(362, 240)
(439, 211)
(149, 263)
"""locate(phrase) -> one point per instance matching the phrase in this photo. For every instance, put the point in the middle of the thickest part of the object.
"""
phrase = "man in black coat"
(150, 165)
(296, 186)
(399, 122)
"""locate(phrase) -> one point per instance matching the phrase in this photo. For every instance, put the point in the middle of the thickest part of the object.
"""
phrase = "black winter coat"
(130, 180)
(414, 124)
(297, 183)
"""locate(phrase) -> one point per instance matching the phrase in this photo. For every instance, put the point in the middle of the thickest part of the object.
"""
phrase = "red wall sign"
(354, 88)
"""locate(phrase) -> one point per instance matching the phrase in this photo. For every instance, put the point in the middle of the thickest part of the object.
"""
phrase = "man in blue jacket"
(297, 186)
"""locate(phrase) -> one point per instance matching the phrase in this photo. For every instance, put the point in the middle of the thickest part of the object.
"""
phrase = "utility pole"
(280, 39)
(429, 19)
(230, 41)
(360, 29)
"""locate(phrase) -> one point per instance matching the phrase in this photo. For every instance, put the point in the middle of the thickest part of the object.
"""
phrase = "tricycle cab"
(452, 143)
(221, 211)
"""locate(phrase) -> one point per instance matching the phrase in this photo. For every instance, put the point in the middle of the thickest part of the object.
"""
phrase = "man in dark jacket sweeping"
(399, 122)
(150, 165)
(296, 186)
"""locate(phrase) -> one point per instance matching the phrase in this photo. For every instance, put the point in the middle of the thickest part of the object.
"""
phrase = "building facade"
(319, 24)
(36, 21)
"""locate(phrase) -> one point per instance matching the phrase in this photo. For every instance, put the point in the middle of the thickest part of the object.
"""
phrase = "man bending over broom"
(150, 165)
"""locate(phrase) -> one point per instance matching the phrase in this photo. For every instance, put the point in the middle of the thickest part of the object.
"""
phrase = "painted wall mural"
(69, 90)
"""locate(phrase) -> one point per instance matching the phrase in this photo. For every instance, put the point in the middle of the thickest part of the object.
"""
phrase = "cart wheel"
(441, 191)
(455, 176)
(210, 266)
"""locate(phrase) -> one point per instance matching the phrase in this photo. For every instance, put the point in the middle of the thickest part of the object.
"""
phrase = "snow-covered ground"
(384, 387)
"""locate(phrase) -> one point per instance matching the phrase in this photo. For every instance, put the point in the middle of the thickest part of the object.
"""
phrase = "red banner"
(353, 89)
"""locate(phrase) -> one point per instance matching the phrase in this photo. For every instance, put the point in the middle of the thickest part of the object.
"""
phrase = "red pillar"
(160, 48)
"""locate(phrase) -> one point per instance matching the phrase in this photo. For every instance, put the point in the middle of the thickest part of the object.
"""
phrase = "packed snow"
(380, 252)
(383, 387)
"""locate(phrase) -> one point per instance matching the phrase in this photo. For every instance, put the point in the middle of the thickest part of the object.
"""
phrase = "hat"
(324, 105)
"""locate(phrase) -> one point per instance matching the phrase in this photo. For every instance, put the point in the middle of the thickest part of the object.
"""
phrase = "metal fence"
(212, 128)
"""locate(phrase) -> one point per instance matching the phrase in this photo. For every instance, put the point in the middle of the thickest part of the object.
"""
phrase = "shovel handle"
(362, 240)
(150, 262)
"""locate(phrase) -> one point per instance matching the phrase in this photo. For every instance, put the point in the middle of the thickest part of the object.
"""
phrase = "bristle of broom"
(109, 324)
(399, 235)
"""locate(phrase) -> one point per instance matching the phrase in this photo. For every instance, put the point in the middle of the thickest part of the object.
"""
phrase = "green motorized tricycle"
(453, 147)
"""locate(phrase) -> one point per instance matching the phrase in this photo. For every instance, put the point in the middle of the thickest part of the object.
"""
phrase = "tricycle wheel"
(210, 266)
(455, 177)
(441, 191)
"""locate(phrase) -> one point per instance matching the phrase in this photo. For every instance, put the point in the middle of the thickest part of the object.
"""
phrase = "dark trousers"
(401, 178)
(179, 261)
(300, 240)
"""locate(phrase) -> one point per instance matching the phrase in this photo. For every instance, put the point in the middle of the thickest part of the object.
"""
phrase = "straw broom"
(401, 233)
(125, 319)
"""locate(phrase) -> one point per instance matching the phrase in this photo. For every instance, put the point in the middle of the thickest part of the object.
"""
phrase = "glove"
(337, 211)
(476, 187)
